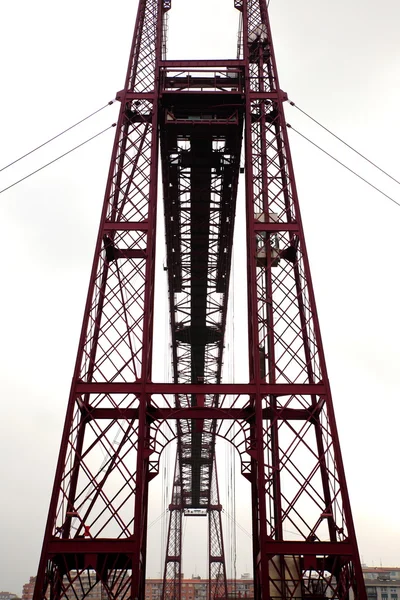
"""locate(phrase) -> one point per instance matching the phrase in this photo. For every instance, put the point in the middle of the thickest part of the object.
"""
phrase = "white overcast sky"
(339, 61)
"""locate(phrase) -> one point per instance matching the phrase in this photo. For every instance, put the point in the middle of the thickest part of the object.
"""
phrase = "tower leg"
(173, 557)
(217, 585)
(96, 528)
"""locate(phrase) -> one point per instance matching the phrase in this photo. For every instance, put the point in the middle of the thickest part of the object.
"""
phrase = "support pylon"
(173, 559)
(217, 585)
(96, 527)
(296, 470)
(118, 420)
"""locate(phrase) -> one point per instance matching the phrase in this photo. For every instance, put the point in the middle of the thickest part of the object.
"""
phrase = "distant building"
(27, 590)
(7, 596)
(382, 583)
(84, 587)
(197, 588)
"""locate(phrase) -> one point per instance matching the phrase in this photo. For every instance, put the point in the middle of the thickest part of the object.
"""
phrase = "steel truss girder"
(200, 175)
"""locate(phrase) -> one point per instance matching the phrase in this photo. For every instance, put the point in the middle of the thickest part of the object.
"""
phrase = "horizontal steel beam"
(92, 546)
(129, 95)
(191, 64)
(311, 548)
(264, 389)
(268, 95)
(126, 226)
(205, 413)
(275, 226)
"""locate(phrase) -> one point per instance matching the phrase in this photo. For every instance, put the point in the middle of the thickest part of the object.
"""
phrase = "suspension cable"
(160, 516)
(343, 142)
(249, 535)
(56, 159)
(56, 136)
(236, 523)
(343, 165)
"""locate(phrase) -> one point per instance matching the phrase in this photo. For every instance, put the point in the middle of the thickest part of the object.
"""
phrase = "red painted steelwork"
(118, 421)
(217, 587)
(98, 511)
(172, 576)
(297, 475)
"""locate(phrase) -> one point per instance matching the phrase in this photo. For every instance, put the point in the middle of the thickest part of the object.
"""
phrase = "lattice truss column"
(304, 540)
(217, 586)
(173, 558)
(96, 530)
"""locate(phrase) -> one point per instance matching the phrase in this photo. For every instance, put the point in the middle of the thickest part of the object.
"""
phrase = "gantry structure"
(192, 120)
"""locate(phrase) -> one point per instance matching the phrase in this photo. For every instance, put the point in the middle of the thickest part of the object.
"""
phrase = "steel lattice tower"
(281, 421)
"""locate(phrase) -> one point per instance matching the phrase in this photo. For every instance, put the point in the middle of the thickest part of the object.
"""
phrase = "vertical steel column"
(297, 476)
(217, 586)
(171, 589)
(96, 528)
(256, 372)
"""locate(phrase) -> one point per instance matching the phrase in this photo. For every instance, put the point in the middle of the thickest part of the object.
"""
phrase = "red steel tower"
(281, 422)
